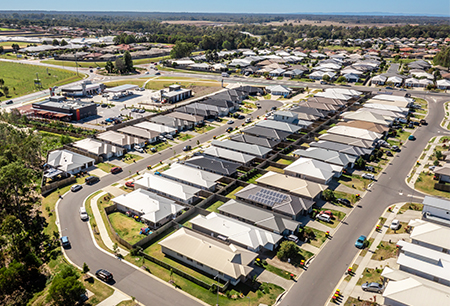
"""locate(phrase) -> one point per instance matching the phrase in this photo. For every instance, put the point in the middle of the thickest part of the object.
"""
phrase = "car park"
(91, 180)
(83, 214)
(65, 241)
(115, 170)
(104, 275)
(75, 188)
(395, 225)
(344, 202)
(372, 287)
(368, 176)
(324, 217)
(129, 184)
(360, 242)
(187, 148)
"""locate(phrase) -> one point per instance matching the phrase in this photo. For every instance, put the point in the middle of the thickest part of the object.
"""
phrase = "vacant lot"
(127, 228)
(19, 78)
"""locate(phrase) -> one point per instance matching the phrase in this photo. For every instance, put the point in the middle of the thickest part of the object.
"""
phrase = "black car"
(65, 242)
(389, 153)
(104, 275)
(153, 150)
(370, 168)
(344, 201)
(228, 130)
(241, 117)
(9, 102)
(187, 148)
(274, 108)
(91, 180)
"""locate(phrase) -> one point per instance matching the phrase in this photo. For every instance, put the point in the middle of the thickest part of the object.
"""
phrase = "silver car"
(372, 287)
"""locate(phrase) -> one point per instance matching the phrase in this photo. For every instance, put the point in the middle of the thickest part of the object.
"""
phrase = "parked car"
(389, 153)
(115, 170)
(395, 148)
(225, 75)
(293, 238)
(230, 122)
(153, 149)
(158, 73)
(168, 136)
(360, 242)
(370, 168)
(91, 180)
(389, 87)
(368, 176)
(372, 287)
(344, 202)
(273, 108)
(411, 137)
(258, 105)
(138, 148)
(324, 217)
(65, 241)
(9, 102)
(75, 188)
(395, 225)
(142, 111)
(129, 184)
(402, 120)
(229, 129)
(83, 214)
(423, 122)
(187, 148)
(402, 89)
(248, 120)
(326, 212)
(104, 275)
(431, 168)
(241, 117)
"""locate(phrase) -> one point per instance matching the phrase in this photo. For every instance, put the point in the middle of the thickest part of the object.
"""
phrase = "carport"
(121, 88)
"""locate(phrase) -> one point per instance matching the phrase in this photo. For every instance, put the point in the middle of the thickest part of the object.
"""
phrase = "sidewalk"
(102, 226)
(114, 299)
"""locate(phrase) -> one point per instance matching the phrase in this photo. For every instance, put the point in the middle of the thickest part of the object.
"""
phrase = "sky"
(406, 7)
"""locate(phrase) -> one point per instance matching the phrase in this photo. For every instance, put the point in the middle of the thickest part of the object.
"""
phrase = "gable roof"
(368, 117)
(96, 147)
(260, 141)
(341, 147)
(264, 132)
(313, 168)
(213, 164)
(328, 156)
(430, 233)
(354, 132)
(436, 202)
(228, 154)
(132, 130)
(184, 116)
(167, 186)
(278, 125)
(347, 140)
(67, 160)
(242, 147)
(119, 138)
(192, 175)
(230, 260)
(373, 127)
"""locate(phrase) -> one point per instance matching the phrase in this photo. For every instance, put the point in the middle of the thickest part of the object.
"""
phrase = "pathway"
(114, 299)
(101, 226)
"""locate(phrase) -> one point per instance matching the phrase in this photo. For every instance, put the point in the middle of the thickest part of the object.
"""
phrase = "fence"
(46, 189)
(442, 187)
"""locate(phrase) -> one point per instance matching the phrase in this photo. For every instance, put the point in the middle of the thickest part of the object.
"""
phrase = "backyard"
(231, 193)
(127, 228)
(215, 206)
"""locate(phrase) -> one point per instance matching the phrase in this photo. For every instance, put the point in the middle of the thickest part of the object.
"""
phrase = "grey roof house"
(259, 131)
(213, 164)
(242, 147)
(260, 141)
(341, 148)
(230, 155)
(328, 156)
(280, 126)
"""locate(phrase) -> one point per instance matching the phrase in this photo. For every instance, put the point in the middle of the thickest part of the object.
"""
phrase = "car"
(115, 170)
(389, 153)
(9, 102)
(138, 148)
(273, 108)
(129, 184)
(225, 75)
(83, 214)
(168, 136)
(65, 241)
(158, 73)
(411, 137)
(142, 111)
(229, 129)
(326, 212)
(187, 148)
(402, 89)
(104, 105)
(395, 225)
(324, 217)
(368, 176)
(146, 72)
(372, 287)
(258, 105)
(360, 242)
(104, 275)
(389, 87)
(411, 125)
(423, 122)
(153, 149)
(268, 78)
(162, 138)
(344, 201)
(230, 122)
(323, 82)
(109, 120)
(402, 120)
(75, 188)
(431, 168)
(370, 168)
(241, 117)
(248, 120)
(292, 238)
(91, 180)
(395, 148)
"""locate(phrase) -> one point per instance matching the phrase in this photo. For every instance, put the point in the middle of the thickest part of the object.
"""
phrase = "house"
(383, 112)
(392, 108)
(153, 210)
(374, 127)
(69, 161)
(430, 235)
(267, 133)
(260, 141)
(328, 156)
(281, 126)
(313, 170)
(393, 98)
(122, 140)
(200, 110)
(175, 123)
(309, 113)
(192, 176)
(442, 173)
(228, 262)
(327, 108)
(259, 217)
(353, 132)
(355, 142)
(236, 232)
(224, 105)
(279, 90)
(98, 148)
(443, 84)
(290, 117)
(424, 262)
(405, 289)
(294, 73)
(158, 128)
(150, 136)
(296, 186)
(379, 80)
(319, 75)
(214, 165)
(368, 117)
(341, 148)
(282, 203)
(276, 72)
(168, 188)
(229, 155)
(189, 120)
(242, 147)
(436, 210)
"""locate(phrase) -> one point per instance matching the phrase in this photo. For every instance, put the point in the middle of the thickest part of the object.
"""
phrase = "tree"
(443, 58)
(66, 289)
(360, 163)
(288, 249)
(341, 79)
(109, 66)
(64, 42)
(2, 82)
(1, 49)
(130, 39)
(120, 65)
(55, 42)
(326, 77)
(5, 91)
(328, 195)
(128, 61)
(85, 268)
(438, 154)
(182, 49)
(226, 45)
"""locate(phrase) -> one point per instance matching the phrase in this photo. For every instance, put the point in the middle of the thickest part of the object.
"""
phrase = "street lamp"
(217, 288)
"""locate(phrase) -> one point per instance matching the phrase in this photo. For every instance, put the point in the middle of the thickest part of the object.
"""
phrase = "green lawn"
(204, 129)
(283, 161)
(425, 183)
(344, 195)
(364, 251)
(131, 158)
(402, 136)
(214, 207)
(320, 237)
(401, 230)
(19, 78)
(274, 169)
(184, 137)
(385, 250)
(231, 194)
(354, 181)
(127, 228)
(81, 64)
(277, 271)
(370, 275)
(105, 167)
(252, 180)
(412, 206)
(349, 276)
(7, 29)
(159, 147)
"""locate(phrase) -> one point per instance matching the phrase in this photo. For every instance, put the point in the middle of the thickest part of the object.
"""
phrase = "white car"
(324, 217)
(368, 176)
(248, 120)
(139, 149)
(395, 225)
(230, 122)
(431, 168)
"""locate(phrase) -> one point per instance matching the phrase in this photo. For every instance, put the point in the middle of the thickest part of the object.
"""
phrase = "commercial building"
(62, 109)
(176, 94)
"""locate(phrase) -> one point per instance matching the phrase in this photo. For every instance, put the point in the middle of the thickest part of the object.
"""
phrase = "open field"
(198, 23)
(20, 78)
(330, 23)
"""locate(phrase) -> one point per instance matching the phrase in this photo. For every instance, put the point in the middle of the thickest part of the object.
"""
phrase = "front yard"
(425, 183)
(385, 250)
(127, 228)
(354, 181)
(335, 220)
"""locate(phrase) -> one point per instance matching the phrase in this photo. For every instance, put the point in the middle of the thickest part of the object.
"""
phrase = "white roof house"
(69, 161)
(339, 93)
(424, 262)
(192, 176)
(379, 79)
(405, 289)
(230, 262)
(313, 170)
(98, 148)
(443, 84)
(229, 154)
(354, 132)
(149, 206)
(368, 117)
(167, 187)
(393, 98)
(162, 129)
(279, 90)
(430, 235)
(328, 156)
(120, 139)
(391, 108)
(235, 231)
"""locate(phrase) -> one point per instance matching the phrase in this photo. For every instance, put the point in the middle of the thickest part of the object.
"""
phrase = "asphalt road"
(315, 286)
(133, 282)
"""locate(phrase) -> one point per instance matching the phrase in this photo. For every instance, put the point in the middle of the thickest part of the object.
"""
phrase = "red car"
(327, 212)
(115, 170)
(129, 184)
